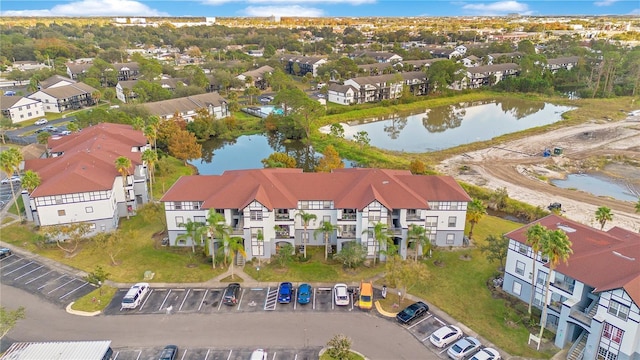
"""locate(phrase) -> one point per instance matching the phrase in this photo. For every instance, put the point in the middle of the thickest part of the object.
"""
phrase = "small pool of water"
(263, 111)
(599, 185)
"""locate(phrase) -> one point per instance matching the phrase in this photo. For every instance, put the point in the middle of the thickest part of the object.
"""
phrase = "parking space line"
(202, 302)
(63, 285)
(185, 299)
(443, 350)
(425, 339)
(14, 270)
(165, 300)
(333, 303)
(220, 302)
(206, 356)
(295, 298)
(139, 353)
(36, 278)
(116, 356)
(60, 277)
(184, 354)
(39, 267)
(145, 300)
(74, 290)
(423, 319)
(229, 357)
(240, 301)
(11, 263)
(440, 321)
(295, 357)
(274, 356)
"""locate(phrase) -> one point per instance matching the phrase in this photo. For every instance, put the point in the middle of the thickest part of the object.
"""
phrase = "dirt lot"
(520, 167)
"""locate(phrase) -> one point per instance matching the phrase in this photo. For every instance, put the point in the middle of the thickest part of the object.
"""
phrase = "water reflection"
(599, 185)
(448, 126)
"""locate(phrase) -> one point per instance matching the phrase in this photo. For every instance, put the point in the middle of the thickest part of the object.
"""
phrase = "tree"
(235, 245)
(417, 237)
(68, 234)
(362, 139)
(31, 180)
(405, 275)
(536, 236)
(10, 163)
(496, 249)
(194, 231)
(43, 137)
(475, 212)
(305, 217)
(184, 146)
(330, 160)
(123, 165)
(251, 91)
(339, 347)
(284, 255)
(5, 125)
(279, 160)
(337, 130)
(326, 229)
(556, 248)
(151, 158)
(381, 234)
(9, 319)
(97, 277)
(603, 214)
(218, 229)
(417, 167)
(637, 207)
(111, 243)
(351, 255)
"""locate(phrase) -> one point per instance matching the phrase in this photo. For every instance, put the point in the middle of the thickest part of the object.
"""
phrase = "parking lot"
(216, 354)
(5, 193)
(209, 300)
(41, 280)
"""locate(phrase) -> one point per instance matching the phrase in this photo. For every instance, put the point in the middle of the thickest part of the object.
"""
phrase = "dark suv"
(170, 352)
(230, 296)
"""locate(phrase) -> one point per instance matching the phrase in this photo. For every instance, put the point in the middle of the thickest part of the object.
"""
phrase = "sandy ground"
(520, 167)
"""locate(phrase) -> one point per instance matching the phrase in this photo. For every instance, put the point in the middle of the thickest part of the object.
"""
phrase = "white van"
(134, 296)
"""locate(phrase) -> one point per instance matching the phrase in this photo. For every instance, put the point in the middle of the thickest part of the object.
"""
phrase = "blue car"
(304, 293)
(284, 292)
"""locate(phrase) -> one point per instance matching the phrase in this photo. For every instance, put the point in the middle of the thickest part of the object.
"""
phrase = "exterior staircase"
(577, 350)
(593, 310)
(239, 260)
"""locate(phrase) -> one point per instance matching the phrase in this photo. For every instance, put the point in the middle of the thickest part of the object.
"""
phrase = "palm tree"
(326, 228)
(235, 245)
(638, 206)
(536, 235)
(123, 164)
(10, 163)
(195, 230)
(380, 232)
(151, 158)
(218, 229)
(305, 217)
(31, 180)
(260, 238)
(475, 212)
(603, 214)
(420, 239)
(556, 248)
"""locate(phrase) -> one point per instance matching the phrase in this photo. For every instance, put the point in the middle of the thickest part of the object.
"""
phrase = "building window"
(256, 215)
(452, 221)
(517, 288)
(349, 214)
(179, 220)
(520, 266)
(612, 333)
(62, 213)
(432, 221)
(619, 310)
(374, 215)
(88, 209)
(92, 226)
(304, 204)
(523, 249)
(177, 205)
(604, 354)
(326, 204)
(372, 245)
(412, 214)
(451, 239)
(542, 277)
(200, 219)
(257, 245)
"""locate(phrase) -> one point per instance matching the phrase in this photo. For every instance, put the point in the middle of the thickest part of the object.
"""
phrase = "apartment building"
(269, 202)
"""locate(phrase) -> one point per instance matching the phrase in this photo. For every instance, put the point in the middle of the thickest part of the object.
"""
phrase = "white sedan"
(14, 179)
(445, 336)
(41, 121)
(486, 354)
(341, 293)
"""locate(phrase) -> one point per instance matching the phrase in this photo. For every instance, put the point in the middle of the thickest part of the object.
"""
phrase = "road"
(377, 338)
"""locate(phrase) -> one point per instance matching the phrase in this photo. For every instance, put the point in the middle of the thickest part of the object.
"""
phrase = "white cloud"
(286, 11)
(605, 2)
(635, 12)
(301, 2)
(92, 8)
(498, 8)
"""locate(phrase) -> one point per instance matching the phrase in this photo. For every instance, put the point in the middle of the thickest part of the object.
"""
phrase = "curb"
(383, 312)
(81, 313)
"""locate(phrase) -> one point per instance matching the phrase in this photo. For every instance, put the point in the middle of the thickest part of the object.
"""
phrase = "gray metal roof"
(62, 350)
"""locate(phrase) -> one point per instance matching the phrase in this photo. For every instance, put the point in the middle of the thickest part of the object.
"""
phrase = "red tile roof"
(88, 162)
(603, 260)
(348, 188)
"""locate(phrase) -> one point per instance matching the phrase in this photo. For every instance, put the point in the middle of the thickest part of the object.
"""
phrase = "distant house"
(77, 70)
(126, 71)
(471, 61)
(187, 107)
(80, 182)
(488, 75)
(563, 63)
(445, 53)
(503, 57)
(55, 81)
(416, 65)
(257, 76)
(379, 56)
(300, 65)
(376, 68)
(365, 89)
(58, 99)
(125, 93)
(18, 108)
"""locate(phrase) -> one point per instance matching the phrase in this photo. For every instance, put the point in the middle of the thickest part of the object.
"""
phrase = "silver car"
(463, 348)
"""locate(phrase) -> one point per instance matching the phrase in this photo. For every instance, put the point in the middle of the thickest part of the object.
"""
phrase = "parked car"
(258, 354)
(445, 336)
(304, 293)
(341, 294)
(412, 312)
(41, 121)
(14, 179)
(365, 300)
(284, 292)
(64, 132)
(554, 206)
(486, 354)
(463, 347)
(134, 296)
(4, 252)
(230, 296)
(170, 352)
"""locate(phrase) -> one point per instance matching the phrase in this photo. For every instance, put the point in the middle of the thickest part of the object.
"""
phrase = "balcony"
(584, 315)
(395, 231)
(237, 231)
(347, 234)
(565, 285)
(348, 217)
(282, 217)
(281, 234)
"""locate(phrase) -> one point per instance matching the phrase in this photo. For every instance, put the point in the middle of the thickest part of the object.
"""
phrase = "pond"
(246, 152)
(599, 185)
(449, 126)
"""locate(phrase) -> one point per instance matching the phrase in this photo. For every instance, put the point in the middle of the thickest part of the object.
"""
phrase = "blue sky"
(315, 8)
